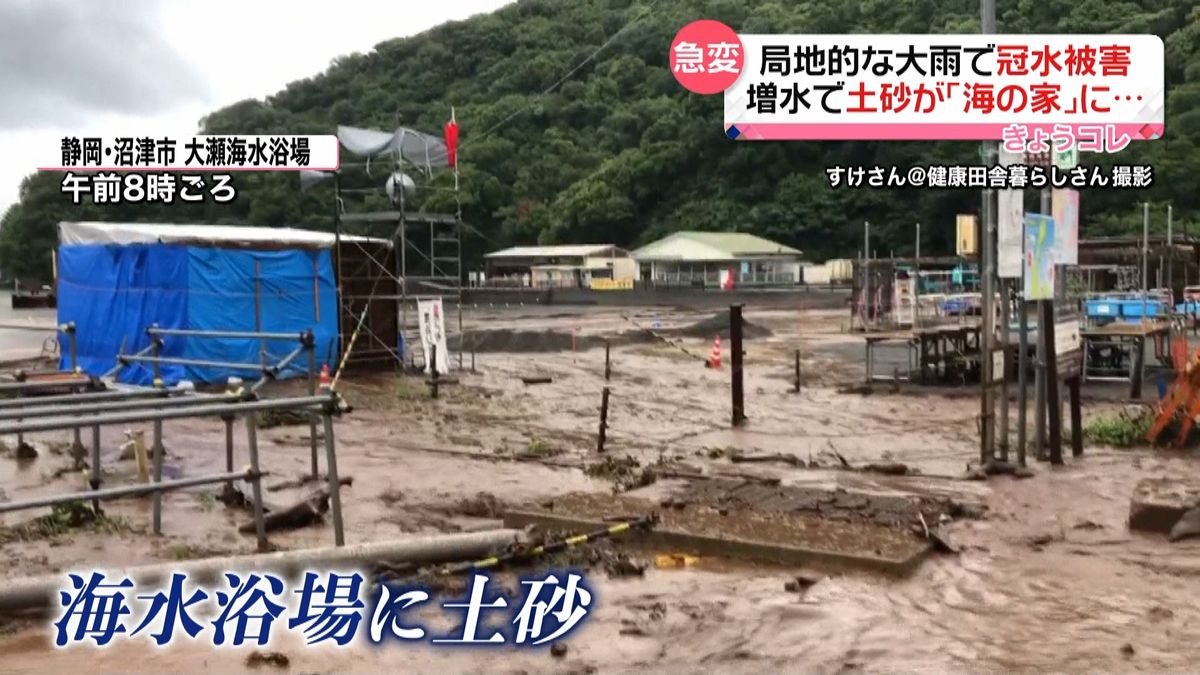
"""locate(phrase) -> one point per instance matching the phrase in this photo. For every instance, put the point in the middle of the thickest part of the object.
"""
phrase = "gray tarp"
(423, 150)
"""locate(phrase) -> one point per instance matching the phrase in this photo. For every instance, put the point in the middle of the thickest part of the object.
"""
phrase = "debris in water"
(276, 659)
(887, 468)
(941, 541)
(540, 379)
(1187, 527)
(558, 650)
(269, 419)
(26, 452)
(623, 566)
(1087, 525)
(801, 582)
(1127, 649)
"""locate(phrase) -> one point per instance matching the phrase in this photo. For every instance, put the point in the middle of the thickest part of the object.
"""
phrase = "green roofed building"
(698, 258)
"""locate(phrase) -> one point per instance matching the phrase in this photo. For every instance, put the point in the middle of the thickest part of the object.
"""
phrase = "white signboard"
(1066, 337)
(998, 365)
(433, 332)
(1010, 233)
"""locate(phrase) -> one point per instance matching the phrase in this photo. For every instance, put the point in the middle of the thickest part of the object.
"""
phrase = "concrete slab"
(789, 539)
(1158, 503)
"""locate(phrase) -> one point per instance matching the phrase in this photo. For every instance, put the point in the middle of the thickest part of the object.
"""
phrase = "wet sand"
(1049, 579)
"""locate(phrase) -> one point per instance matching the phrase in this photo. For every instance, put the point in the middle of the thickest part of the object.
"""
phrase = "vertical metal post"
(156, 344)
(1076, 418)
(310, 343)
(335, 484)
(95, 472)
(1170, 252)
(228, 419)
(262, 345)
(1039, 416)
(76, 436)
(1022, 366)
(735, 364)
(1145, 256)
(603, 434)
(157, 449)
(1046, 329)
(256, 482)
(916, 290)
(1005, 301)
(866, 289)
(987, 9)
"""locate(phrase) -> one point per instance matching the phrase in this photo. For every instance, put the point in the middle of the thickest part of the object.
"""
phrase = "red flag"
(452, 141)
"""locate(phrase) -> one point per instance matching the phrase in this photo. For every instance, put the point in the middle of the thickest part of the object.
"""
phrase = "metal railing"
(69, 414)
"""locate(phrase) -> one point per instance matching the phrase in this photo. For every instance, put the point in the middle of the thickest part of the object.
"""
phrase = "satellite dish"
(401, 180)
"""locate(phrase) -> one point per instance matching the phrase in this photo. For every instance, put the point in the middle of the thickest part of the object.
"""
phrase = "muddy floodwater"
(1048, 577)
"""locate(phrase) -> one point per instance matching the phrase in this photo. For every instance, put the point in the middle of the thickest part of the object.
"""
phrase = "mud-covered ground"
(1049, 578)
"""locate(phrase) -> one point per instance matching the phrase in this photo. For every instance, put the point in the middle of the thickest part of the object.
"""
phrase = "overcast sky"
(148, 67)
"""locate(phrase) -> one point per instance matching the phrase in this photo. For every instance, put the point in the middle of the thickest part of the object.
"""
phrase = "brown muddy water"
(1050, 579)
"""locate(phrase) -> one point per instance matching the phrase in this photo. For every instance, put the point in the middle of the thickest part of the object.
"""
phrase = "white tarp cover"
(414, 147)
(143, 233)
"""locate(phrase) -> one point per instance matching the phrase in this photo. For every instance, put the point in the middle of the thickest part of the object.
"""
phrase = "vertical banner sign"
(1010, 225)
(433, 332)
(1065, 206)
(1039, 257)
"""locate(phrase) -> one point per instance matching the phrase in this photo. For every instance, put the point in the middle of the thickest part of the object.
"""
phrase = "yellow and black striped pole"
(645, 522)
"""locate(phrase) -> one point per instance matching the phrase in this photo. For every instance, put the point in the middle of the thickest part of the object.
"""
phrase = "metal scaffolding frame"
(65, 414)
(427, 261)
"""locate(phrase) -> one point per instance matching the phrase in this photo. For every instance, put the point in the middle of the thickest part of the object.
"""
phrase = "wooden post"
(1052, 400)
(797, 371)
(1076, 418)
(735, 364)
(603, 421)
(607, 363)
(1139, 368)
(433, 370)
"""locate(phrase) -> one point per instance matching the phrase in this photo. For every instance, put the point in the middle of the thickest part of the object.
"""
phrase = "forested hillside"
(621, 153)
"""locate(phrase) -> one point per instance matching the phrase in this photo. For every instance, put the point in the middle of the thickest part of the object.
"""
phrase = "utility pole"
(1145, 256)
(1170, 254)
(987, 261)
(916, 290)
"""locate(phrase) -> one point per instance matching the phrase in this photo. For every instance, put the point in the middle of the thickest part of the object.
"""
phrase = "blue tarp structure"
(118, 287)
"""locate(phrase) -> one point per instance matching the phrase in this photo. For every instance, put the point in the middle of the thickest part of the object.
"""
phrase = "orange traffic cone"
(714, 359)
(326, 383)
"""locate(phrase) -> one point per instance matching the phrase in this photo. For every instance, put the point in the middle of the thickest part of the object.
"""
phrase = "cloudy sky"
(148, 67)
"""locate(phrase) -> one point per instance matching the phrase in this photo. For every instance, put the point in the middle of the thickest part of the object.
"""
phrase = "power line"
(564, 78)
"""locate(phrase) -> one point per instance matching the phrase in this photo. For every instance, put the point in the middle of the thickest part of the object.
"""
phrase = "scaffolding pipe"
(225, 334)
(34, 593)
(271, 372)
(44, 385)
(125, 491)
(85, 397)
(54, 424)
(121, 362)
(199, 363)
(59, 328)
(117, 406)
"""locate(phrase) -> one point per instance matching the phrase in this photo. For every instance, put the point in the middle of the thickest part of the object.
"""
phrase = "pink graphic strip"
(1137, 131)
